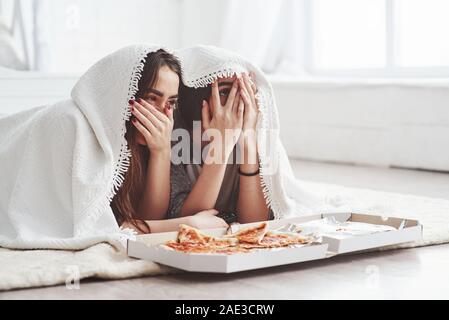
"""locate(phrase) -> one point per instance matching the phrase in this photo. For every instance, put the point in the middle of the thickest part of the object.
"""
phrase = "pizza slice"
(252, 234)
(224, 242)
(274, 239)
(189, 247)
(188, 234)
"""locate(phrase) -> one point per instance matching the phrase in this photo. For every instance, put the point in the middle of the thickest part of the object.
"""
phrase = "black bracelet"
(252, 174)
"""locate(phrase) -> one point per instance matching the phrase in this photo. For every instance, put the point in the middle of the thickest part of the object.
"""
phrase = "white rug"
(34, 268)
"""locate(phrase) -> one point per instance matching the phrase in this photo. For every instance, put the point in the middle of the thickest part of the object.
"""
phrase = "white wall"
(375, 123)
(24, 90)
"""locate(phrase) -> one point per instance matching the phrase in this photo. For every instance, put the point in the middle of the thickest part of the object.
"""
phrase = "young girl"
(232, 184)
(223, 99)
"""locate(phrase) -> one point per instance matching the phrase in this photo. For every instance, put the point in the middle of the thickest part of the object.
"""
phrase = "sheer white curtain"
(69, 35)
(14, 34)
(270, 33)
(327, 37)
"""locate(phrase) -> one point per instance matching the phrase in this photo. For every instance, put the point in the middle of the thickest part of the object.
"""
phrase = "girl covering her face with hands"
(227, 181)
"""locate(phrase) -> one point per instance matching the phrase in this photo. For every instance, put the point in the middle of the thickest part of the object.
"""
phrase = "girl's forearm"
(156, 226)
(251, 205)
(166, 225)
(156, 193)
(205, 192)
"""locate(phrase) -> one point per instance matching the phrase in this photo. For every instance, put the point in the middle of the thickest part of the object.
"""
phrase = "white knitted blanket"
(62, 164)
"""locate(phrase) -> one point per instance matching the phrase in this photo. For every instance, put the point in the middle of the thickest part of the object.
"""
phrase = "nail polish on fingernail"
(139, 100)
(131, 102)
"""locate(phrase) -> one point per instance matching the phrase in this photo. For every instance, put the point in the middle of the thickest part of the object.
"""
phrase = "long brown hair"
(125, 203)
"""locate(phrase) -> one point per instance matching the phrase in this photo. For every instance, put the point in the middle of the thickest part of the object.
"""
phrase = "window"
(377, 37)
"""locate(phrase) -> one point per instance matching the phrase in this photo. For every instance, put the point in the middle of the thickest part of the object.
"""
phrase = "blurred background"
(357, 81)
(293, 37)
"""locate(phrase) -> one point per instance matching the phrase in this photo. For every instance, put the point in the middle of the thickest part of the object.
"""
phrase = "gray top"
(183, 177)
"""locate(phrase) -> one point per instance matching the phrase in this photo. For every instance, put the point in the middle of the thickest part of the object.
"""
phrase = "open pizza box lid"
(148, 247)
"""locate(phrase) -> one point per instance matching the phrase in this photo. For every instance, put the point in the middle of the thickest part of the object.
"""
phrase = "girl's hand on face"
(228, 116)
(155, 126)
(248, 94)
(206, 220)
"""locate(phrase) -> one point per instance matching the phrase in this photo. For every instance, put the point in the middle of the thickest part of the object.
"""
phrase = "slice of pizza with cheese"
(275, 239)
(252, 234)
(189, 247)
(188, 234)
(224, 242)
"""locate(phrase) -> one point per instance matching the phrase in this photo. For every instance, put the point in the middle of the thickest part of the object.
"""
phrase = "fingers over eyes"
(248, 85)
(236, 103)
(244, 92)
(250, 89)
(241, 109)
(215, 94)
(232, 94)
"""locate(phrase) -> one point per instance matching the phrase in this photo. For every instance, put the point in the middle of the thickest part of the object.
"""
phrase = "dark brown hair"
(191, 102)
(125, 203)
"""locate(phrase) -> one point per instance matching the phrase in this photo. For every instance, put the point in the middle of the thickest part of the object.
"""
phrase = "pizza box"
(407, 231)
(148, 247)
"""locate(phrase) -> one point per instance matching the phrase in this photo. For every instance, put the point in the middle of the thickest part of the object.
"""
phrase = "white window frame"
(391, 69)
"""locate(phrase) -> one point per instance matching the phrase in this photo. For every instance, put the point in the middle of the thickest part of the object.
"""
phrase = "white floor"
(420, 273)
